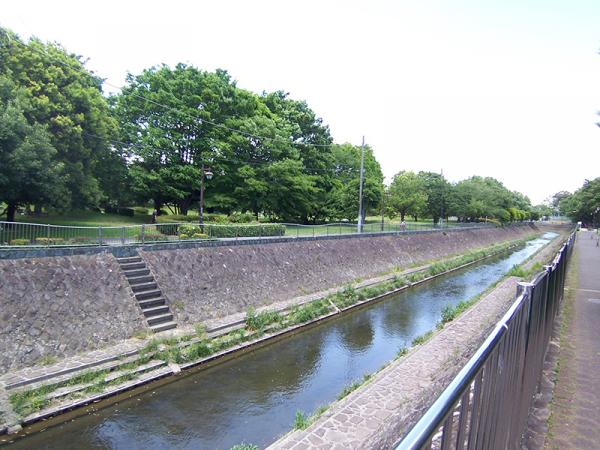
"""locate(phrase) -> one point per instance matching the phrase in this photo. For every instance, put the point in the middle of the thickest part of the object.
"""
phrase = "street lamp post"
(204, 172)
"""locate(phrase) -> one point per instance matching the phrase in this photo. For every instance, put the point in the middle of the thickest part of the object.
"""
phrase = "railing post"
(122, 235)
(524, 288)
(100, 235)
(48, 235)
(142, 233)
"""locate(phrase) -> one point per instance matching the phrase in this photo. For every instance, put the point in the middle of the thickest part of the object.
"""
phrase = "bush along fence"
(45, 235)
(487, 404)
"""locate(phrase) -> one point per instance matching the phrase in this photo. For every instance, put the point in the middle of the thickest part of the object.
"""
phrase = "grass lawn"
(85, 219)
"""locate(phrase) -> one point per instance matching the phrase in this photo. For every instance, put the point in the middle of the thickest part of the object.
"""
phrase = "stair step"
(154, 364)
(67, 390)
(145, 304)
(133, 265)
(129, 259)
(135, 273)
(163, 326)
(154, 320)
(140, 280)
(155, 311)
(148, 294)
(66, 374)
(143, 286)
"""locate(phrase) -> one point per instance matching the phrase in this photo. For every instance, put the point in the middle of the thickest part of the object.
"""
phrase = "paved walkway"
(575, 420)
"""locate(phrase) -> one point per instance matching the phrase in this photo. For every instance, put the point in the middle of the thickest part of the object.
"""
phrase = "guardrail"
(487, 404)
(45, 235)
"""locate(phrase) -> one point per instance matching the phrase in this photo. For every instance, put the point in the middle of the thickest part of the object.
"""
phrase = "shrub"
(230, 231)
(19, 242)
(49, 241)
(241, 218)
(152, 237)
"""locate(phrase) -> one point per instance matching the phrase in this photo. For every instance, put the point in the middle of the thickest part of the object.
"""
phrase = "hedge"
(231, 231)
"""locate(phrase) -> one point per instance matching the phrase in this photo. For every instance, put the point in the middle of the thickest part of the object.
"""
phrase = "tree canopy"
(64, 144)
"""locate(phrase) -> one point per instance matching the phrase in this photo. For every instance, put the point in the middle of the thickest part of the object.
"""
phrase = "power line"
(170, 108)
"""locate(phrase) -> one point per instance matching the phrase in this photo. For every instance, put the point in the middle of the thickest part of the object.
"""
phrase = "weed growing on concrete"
(258, 322)
(200, 330)
(47, 360)
(309, 312)
(401, 352)
(244, 446)
(142, 334)
(422, 339)
(301, 421)
(517, 271)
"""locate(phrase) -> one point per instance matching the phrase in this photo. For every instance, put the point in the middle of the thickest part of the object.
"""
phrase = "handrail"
(521, 337)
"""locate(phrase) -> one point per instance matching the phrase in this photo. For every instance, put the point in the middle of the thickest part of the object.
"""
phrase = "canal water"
(254, 398)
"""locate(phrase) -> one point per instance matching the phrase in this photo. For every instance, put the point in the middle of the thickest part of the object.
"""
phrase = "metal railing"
(487, 404)
(32, 234)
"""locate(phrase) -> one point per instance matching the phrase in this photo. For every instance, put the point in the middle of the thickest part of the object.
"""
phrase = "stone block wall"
(212, 282)
(60, 306)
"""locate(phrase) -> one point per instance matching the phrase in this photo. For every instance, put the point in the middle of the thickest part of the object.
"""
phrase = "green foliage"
(309, 311)
(422, 338)
(583, 204)
(343, 197)
(19, 242)
(517, 271)
(229, 231)
(449, 312)
(401, 352)
(301, 421)
(481, 198)
(191, 232)
(241, 218)
(258, 322)
(407, 194)
(49, 241)
(70, 159)
(244, 446)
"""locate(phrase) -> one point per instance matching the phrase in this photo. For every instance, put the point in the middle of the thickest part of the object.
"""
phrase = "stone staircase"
(147, 293)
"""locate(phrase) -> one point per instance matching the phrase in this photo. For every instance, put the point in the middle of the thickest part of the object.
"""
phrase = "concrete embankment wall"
(206, 283)
(62, 305)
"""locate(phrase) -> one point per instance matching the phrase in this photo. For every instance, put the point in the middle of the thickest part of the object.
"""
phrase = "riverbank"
(380, 412)
(174, 349)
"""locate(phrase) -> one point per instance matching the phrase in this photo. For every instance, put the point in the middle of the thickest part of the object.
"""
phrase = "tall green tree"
(28, 172)
(437, 189)
(313, 141)
(65, 98)
(407, 194)
(345, 192)
(584, 204)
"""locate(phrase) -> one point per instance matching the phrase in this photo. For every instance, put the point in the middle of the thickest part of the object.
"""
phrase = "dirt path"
(575, 413)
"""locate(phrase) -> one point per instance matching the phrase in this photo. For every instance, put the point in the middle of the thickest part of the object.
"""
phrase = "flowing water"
(254, 397)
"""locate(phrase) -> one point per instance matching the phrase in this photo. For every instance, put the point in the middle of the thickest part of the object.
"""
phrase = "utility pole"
(360, 188)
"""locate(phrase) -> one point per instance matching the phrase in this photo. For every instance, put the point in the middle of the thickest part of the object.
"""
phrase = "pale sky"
(505, 88)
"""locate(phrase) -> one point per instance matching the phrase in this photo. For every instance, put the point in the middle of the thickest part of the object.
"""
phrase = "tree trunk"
(10, 212)
(402, 213)
(157, 206)
(184, 206)
(37, 210)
